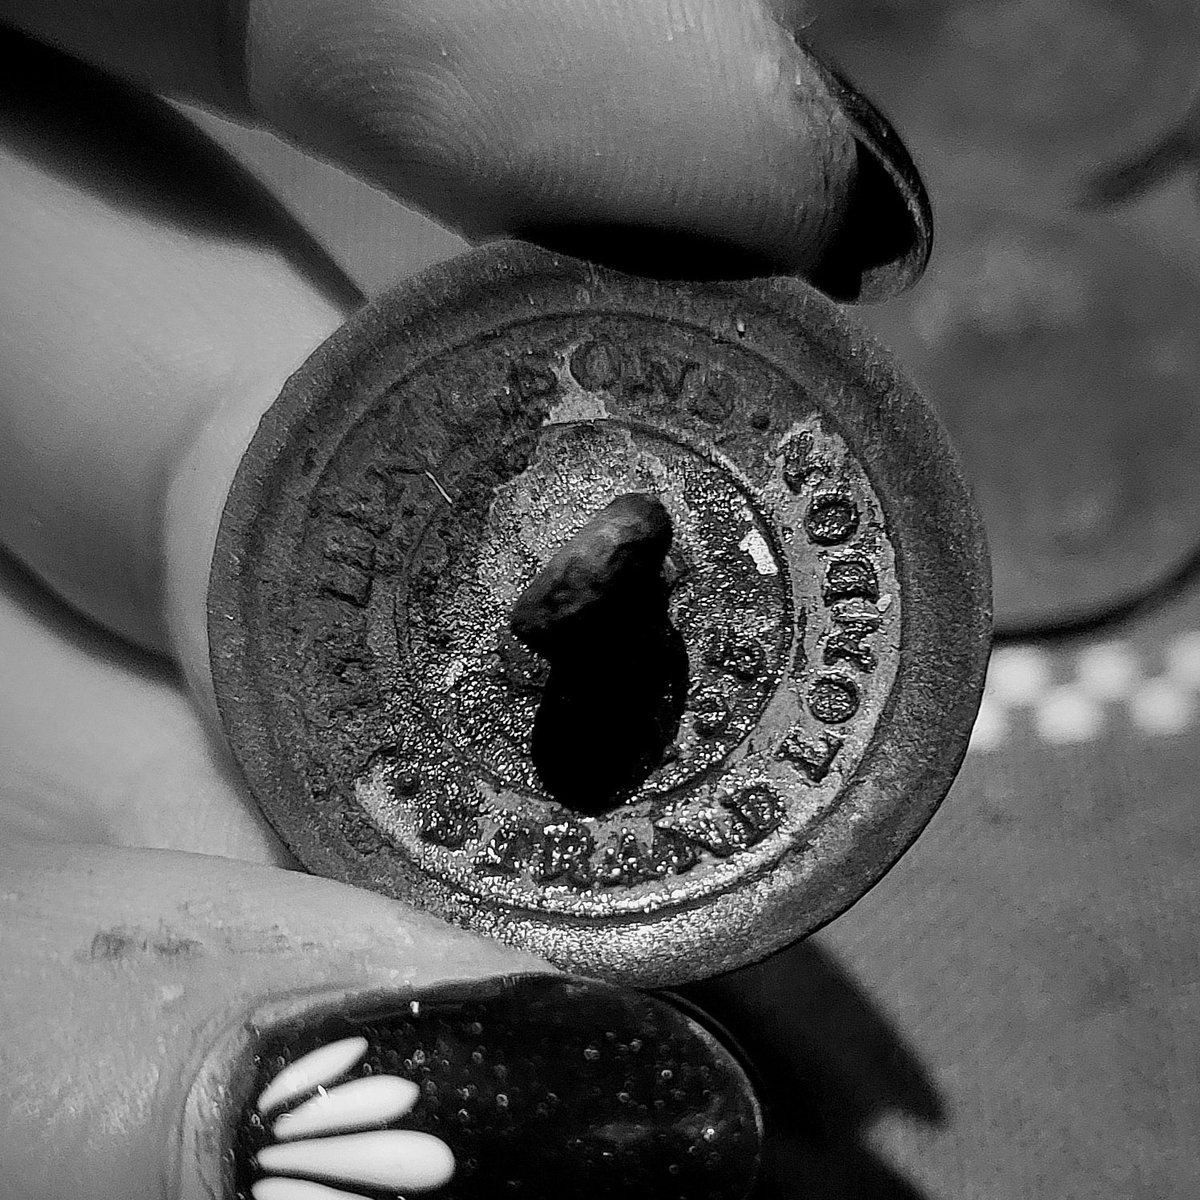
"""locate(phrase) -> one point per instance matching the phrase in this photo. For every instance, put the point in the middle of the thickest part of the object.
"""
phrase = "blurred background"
(1014, 1012)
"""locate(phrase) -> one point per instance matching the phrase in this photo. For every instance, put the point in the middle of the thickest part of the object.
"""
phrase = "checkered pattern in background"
(1065, 697)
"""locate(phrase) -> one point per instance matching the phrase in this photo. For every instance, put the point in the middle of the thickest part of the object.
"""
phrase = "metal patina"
(827, 576)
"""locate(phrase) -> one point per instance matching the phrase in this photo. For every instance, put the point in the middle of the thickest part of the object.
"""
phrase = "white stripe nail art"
(359, 1104)
(390, 1158)
(298, 1189)
(313, 1070)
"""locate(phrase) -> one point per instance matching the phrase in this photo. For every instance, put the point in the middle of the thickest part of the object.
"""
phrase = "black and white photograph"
(599, 599)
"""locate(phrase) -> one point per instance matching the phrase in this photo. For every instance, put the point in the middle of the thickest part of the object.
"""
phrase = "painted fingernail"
(314, 1070)
(526, 1087)
(364, 1102)
(886, 235)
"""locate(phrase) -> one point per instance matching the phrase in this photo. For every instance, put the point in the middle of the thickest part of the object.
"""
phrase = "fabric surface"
(1037, 948)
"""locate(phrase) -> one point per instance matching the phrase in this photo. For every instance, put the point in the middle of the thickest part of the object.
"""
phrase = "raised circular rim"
(941, 562)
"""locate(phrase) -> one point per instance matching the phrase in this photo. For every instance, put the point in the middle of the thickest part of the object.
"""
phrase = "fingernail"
(886, 235)
(530, 1087)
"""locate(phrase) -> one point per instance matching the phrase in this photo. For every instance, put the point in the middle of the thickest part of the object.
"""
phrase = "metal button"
(826, 574)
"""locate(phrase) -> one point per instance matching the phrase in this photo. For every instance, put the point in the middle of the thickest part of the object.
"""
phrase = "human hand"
(153, 301)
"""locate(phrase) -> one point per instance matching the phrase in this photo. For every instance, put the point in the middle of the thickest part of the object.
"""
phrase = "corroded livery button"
(826, 578)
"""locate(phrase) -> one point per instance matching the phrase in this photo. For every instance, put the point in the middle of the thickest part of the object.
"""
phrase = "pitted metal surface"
(418, 473)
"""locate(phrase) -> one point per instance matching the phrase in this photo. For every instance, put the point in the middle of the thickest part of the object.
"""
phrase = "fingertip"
(701, 120)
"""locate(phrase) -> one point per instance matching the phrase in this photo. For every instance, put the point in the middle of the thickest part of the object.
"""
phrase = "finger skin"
(124, 968)
(100, 742)
(697, 116)
(191, 47)
(146, 282)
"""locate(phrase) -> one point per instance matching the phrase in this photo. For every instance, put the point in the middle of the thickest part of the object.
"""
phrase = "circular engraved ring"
(827, 577)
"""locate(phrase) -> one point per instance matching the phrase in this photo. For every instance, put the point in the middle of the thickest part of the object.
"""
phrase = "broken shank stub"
(621, 548)
(834, 632)
(598, 612)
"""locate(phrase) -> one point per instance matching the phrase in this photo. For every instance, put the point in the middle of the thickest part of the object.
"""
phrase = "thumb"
(162, 1011)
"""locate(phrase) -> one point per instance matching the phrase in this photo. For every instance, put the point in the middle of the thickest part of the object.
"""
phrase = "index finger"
(701, 118)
